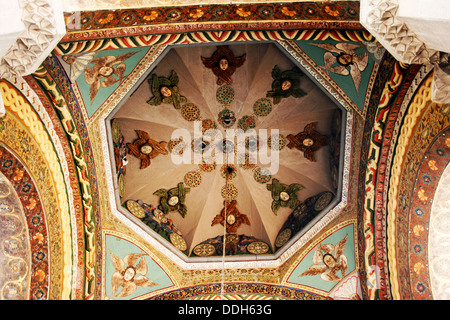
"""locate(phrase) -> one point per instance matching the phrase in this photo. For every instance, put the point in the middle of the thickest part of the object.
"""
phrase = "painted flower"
(421, 195)
(109, 17)
(39, 237)
(196, 14)
(418, 229)
(128, 275)
(288, 12)
(432, 165)
(152, 16)
(331, 12)
(418, 267)
(39, 275)
(243, 13)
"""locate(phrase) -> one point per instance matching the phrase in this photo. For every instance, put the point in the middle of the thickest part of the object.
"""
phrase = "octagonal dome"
(248, 150)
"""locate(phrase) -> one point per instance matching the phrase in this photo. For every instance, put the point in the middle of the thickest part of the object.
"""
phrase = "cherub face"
(286, 85)
(129, 274)
(345, 59)
(105, 71)
(223, 64)
(165, 91)
(329, 260)
(146, 149)
(308, 142)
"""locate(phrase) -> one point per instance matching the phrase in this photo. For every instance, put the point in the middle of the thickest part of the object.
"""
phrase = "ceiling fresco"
(225, 183)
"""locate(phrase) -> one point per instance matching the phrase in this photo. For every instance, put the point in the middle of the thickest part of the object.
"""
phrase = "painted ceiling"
(105, 212)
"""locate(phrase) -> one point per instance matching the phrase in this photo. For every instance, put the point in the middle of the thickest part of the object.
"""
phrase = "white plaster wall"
(439, 239)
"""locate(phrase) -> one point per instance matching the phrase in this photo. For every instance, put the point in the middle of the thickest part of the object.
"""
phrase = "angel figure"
(165, 90)
(223, 64)
(346, 57)
(308, 141)
(128, 276)
(231, 216)
(328, 263)
(145, 148)
(285, 84)
(106, 71)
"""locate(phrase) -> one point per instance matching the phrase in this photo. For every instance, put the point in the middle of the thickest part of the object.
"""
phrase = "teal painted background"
(104, 93)
(316, 281)
(121, 247)
(344, 82)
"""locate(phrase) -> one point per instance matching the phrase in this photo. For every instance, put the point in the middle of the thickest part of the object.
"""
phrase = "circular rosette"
(225, 95)
(121, 184)
(193, 179)
(228, 171)
(178, 241)
(323, 200)
(247, 122)
(136, 209)
(258, 247)
(204, 250)
(262, 175)
(276, 142)
(229, 192)
(262, 107)
(207, 166)
(190, 112)
(283, 237)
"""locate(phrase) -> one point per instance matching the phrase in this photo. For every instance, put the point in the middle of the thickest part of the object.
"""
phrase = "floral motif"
(128, 275)
(229, 192)
(190, 112)
(193, 179)
(288, 12)
(262, 107)
(243, 12)
(196, 14)
(247, 122)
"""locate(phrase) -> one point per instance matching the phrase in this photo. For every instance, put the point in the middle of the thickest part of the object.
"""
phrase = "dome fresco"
(230, 141)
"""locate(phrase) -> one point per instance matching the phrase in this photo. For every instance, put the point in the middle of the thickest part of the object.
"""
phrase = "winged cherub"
(106, 71)
(346, 57)
(129, 275)
(223, 64)
(328, 263)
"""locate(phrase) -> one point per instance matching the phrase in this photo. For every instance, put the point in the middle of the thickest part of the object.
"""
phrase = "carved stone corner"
(44, 28)
(380, 18)
(440, 90)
